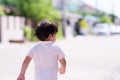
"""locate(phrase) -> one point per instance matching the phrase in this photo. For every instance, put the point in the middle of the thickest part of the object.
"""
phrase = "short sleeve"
(60, 53)
(30, 53)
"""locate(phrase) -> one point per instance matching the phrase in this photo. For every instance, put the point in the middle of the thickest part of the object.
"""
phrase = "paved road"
(88, 58)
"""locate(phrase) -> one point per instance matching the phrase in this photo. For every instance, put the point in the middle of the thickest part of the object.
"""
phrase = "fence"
(11, 28)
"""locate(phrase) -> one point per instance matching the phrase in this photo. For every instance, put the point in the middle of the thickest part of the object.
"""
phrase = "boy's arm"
(63, 66)
(24, 67)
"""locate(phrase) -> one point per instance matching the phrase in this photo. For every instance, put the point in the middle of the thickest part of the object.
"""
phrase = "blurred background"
(73, 17)
(88, 32)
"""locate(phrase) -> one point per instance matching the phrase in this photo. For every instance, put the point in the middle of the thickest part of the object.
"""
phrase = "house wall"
(11, 28)
(0, 31)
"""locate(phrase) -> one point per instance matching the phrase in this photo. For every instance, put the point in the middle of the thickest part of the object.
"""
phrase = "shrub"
(105, 19)
(2, 13)
(29, 33)
(59, 33)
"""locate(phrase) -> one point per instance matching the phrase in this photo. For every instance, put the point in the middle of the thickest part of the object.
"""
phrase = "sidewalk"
(88, 58)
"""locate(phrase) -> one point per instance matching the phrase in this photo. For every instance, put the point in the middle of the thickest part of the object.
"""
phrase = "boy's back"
(45, 56)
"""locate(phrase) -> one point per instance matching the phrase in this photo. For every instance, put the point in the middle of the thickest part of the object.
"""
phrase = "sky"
(72, 5)
(108, 6)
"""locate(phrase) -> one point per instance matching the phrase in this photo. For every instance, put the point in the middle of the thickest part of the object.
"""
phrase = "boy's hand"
(21, 77)
(61, 70)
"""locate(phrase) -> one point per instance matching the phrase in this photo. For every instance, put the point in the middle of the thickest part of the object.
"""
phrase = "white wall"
(11, 28)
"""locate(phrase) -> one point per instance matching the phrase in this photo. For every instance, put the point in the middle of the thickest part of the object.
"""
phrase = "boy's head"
(46, 31)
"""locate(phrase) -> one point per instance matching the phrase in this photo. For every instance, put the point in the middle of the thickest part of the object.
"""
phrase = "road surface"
(88, 58)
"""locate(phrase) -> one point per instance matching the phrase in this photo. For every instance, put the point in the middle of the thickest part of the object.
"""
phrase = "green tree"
(34, 10)
(1, 11)
(105, 19)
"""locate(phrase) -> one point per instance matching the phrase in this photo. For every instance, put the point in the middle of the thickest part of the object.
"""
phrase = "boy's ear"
(50, 35)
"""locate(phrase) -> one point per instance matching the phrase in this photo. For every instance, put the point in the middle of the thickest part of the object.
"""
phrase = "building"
(11, 29)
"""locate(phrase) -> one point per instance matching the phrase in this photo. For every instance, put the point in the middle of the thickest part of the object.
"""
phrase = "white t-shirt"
(46, 56)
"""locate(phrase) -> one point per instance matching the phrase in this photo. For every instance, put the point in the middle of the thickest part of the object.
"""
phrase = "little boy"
(45, 54)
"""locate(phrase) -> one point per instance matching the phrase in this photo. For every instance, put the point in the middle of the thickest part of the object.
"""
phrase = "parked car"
(101, 29)
(115, 29)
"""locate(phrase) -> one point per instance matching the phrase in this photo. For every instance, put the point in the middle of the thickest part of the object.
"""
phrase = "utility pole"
(113, 11)
(97, 6)
(63, 17)
(0, 31)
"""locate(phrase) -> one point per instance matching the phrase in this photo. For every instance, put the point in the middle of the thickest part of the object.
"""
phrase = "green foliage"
(83, 13)
(100, 14)
(59, 33)
(37, 9)
(105, 19)
(1, 11)
(9, 3)
(29, 34)
(32, 9)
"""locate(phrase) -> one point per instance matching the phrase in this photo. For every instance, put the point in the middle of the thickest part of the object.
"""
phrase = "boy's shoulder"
(56, 46)
(35, 45)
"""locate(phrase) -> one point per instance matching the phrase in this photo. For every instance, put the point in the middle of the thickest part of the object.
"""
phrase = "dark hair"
(44, 29)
